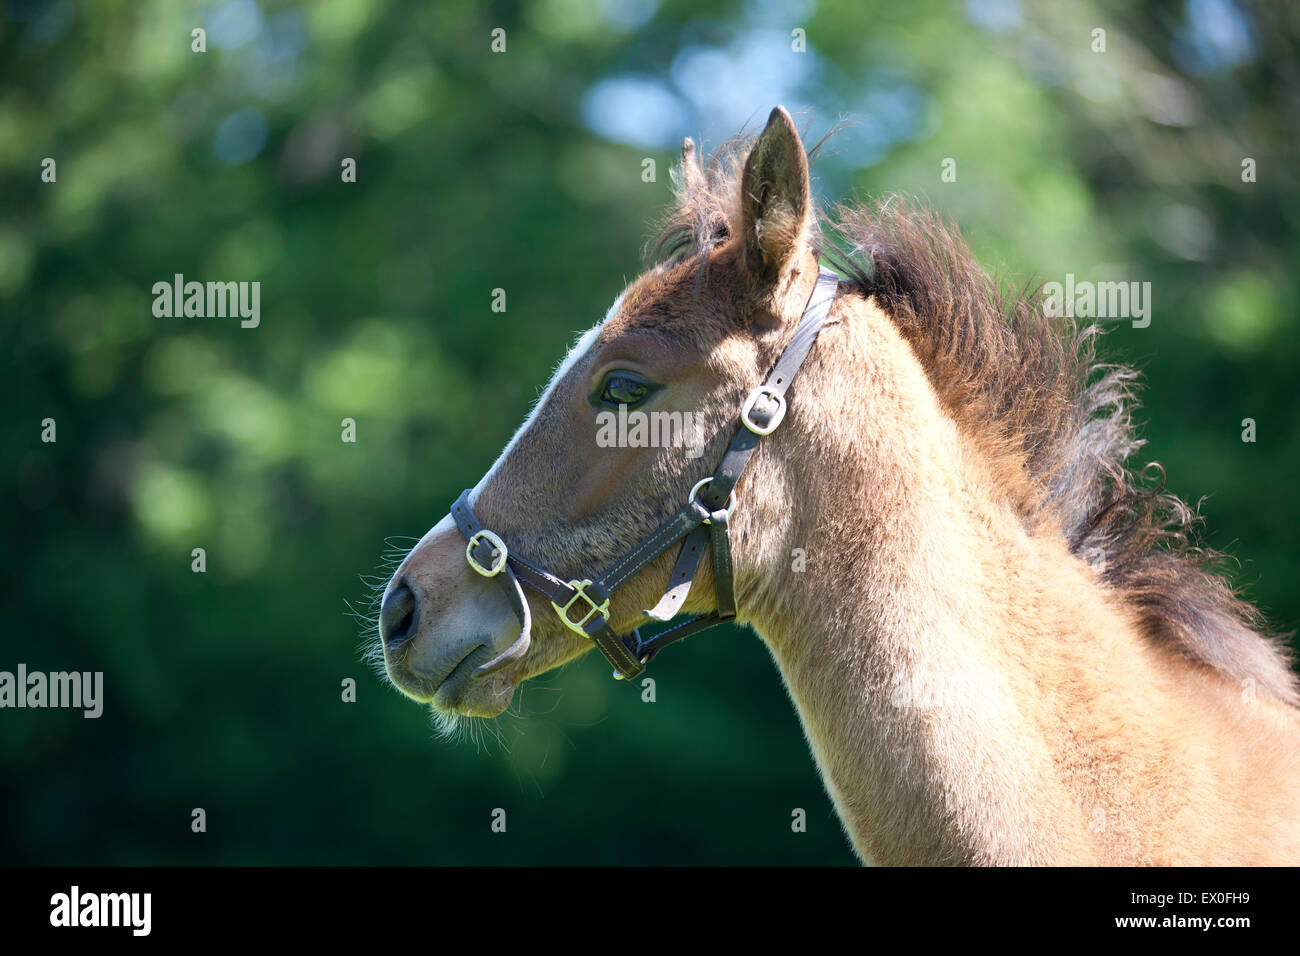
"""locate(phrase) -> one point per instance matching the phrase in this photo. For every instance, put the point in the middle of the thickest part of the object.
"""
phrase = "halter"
(583, 605)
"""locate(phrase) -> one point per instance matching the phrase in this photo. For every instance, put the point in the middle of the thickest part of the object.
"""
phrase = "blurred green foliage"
(477, 171)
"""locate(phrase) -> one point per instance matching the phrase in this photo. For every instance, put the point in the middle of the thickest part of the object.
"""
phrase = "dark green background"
(479, 171)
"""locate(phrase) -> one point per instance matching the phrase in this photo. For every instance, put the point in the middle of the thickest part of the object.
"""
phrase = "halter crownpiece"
(583, 604)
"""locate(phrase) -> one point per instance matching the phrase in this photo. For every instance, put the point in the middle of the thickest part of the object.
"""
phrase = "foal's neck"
(914, 639)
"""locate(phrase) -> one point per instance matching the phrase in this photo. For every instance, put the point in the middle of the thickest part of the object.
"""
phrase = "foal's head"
(692, 336)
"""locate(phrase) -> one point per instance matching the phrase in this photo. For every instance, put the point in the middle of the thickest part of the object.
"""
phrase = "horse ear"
(692, 174)
(775, 197)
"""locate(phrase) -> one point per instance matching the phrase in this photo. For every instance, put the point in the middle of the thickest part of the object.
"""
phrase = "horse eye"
(624, 388)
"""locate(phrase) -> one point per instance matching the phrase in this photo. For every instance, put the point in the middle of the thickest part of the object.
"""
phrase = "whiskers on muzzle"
(365, 612)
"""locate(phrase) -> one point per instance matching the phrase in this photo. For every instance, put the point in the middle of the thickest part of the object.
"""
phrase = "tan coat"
(1001, 647)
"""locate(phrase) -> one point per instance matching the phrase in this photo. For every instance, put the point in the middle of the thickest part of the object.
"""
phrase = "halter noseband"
(583, 605)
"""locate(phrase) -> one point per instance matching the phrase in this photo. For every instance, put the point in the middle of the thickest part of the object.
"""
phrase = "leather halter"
(583, 605)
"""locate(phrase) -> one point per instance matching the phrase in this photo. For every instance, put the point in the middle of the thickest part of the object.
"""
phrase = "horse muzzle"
(449, 636)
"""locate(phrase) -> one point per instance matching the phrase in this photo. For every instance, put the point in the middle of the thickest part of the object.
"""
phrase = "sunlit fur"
(1000, 642)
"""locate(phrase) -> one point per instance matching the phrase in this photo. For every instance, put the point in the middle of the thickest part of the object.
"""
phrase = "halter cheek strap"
(702, 523)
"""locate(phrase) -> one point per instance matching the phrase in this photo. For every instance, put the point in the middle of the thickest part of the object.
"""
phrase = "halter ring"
(731, 499)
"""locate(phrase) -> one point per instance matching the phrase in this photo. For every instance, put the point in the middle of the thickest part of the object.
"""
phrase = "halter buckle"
(745, 410)
(498, 562)
(731, 499)
(580, 591)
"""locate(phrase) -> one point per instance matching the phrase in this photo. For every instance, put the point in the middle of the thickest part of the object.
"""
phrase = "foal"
(1001, 647)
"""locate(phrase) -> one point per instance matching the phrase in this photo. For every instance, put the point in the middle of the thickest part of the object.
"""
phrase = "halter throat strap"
(702, 523)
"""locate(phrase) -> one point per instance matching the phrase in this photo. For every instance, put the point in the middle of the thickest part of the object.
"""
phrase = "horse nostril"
(397, 616)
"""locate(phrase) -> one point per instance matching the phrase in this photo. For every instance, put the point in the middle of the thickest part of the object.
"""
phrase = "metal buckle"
(580, 591)
(731, 499)
(498, 562)
(748, 407)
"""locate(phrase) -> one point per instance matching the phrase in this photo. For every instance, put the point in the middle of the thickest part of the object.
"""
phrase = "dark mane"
(1029, 386)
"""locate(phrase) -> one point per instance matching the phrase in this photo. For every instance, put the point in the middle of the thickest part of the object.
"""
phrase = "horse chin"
(453, 690)
(473, 696)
